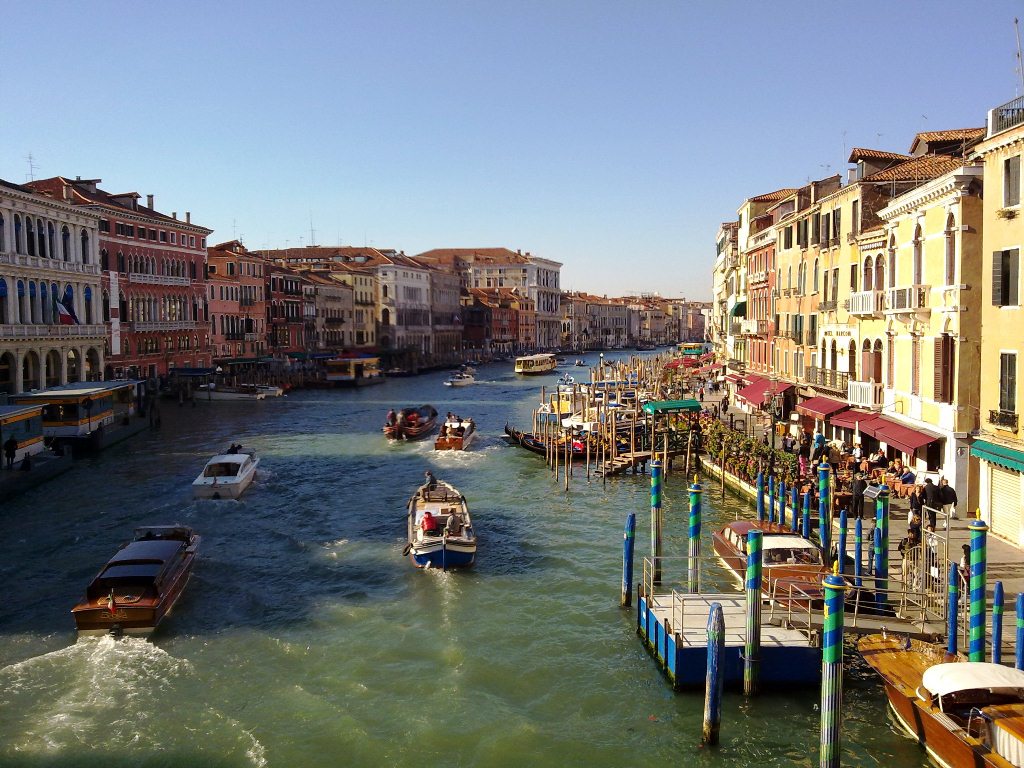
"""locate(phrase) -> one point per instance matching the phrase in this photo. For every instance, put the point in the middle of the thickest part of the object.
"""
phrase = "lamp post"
(773, 405)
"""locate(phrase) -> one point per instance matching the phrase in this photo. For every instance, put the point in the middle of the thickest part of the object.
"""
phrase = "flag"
(66, 308)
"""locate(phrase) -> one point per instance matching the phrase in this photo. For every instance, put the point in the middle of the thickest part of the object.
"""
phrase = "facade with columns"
(49, 260)
(153, 280)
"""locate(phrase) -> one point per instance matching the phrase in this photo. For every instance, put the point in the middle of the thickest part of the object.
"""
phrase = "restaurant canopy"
(659, 407)
(763, 389)
(853, 419)
(901, 436)
(998, 454)
(821, 407)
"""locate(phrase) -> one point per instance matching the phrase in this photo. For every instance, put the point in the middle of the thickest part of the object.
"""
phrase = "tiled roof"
(956, 134)
(774, 197)
(474, 256)
(859, 153)
(917, 169)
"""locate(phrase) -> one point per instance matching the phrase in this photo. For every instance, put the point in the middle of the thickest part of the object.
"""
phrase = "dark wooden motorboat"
(412, 423)
(532, 443)
(138, 587)
(966, 714)
(792, 568)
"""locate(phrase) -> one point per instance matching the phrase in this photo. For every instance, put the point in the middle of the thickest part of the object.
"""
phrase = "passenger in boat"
(430, 481)
(389, 420)
(429, 523)
(10, 449)
(235, 448)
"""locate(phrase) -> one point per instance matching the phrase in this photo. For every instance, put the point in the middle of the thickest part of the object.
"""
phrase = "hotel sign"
(836, 331)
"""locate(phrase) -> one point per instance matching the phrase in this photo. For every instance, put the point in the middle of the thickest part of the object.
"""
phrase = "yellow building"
(999, 447)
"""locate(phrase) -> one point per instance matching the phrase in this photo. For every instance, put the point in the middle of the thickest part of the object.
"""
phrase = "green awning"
(671, 406)
(740, 310)
(998, 454)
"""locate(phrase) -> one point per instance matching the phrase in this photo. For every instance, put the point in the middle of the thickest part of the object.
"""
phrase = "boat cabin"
(79, 409)
(25, 424)
(535, 364)
(140, 567)
(227, 465)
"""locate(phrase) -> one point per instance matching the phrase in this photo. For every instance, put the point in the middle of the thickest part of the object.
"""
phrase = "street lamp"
(773, 405)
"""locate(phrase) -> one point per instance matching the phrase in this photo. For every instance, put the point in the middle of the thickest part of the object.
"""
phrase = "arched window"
(879, 272)
(868, 274)
(5, 310)
(51, 236)
(65, 243)
(892, 261)
(814, 278)
(950, 250)
(3, 235)
(122, 306)
(918, 256)
(106, 307)
(104, 260)
(41, 236)
(87, 294)
(46, 306)
(834, 357)
(120, 262)
(17, 235)
(85, 247)
(853, 360)
(30, 236)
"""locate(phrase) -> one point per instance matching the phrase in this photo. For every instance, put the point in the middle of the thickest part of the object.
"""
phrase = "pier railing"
(666, 575)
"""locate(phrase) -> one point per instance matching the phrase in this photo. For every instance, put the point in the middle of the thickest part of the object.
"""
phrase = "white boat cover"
(943, 679)
(1007, 744)
(786, 542)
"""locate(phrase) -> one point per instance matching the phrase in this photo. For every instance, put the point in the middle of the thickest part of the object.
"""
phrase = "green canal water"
(305, 638)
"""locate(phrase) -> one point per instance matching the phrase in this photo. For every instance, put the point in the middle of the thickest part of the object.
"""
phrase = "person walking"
(10, 450)
(932, 501)
(947, 495)
(916, 504)
(859, 486)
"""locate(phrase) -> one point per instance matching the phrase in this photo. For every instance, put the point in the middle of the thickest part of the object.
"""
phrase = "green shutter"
(997, 278)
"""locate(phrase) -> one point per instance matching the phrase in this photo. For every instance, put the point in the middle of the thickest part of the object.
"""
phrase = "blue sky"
(610, 136)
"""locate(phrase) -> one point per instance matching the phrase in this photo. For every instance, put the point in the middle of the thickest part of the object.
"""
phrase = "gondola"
(532, 443)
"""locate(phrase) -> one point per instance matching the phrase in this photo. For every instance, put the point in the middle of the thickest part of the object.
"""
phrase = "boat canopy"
(944, 679)
(786, 542)
(672, 406)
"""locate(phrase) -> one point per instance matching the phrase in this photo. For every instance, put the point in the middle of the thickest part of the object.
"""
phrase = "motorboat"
(140, 584)
(226, 476)
(214, 391)
(456, 434)
(580, 363)
(410, 423)
(460, 380)
(535, 365)
(446, 539)
(792, 567)
(965, 714)
(270, 390)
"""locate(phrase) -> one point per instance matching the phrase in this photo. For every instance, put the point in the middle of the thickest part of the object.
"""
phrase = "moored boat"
(460, 380)
(355, 371)
(440, 531)
(792, 567)
(213, 391)
(270, 390)
(226, 476)
(140, 584)
(456, 434)
(410, 423)
(964, 713)
(534, 444)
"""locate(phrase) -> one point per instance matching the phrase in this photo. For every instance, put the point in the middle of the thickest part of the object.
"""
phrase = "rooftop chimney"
(851, 175)
(188, 217)
(149, 202)
(174, 215)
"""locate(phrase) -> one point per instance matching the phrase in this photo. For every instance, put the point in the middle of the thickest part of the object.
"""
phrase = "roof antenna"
(31, 167)
(1020, 63)
(312, 232)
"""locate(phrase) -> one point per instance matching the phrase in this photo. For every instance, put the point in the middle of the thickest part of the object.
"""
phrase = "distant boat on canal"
(140, 584)
(535, 365)
(214, 391)
(460, 380)
(446, 538)
(226, 476)
(411, 423)
(456, 434)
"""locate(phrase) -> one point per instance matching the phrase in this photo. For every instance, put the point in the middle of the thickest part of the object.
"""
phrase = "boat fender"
(407, 550)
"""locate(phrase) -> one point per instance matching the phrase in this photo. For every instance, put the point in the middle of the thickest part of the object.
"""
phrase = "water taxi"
(140, 584)
(410, 423)
(460, 380)
(965, 714)
(353, 371)
(446, 538)
(534, 365)
(86, 414)
(456, 434)
(226, 476)
(214, 391)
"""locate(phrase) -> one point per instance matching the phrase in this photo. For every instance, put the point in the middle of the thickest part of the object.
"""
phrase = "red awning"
(902, 437)
(762, 390)
(673, 363)
(853, 419)
(821, 407)
(735, 378)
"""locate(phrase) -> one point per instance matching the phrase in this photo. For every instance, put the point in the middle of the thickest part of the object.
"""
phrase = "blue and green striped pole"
(752, 646)
(882, 537)
(656, 518)
(771, 498)
(997, 624)
(713, 683)
(979, 557)
(628, 541)
(782, 501)
(1019, 659)
(795, 504)
(858, 552)
(952, 609)
(832, 672)
(693, 564)
(760, 495)
(807, 515)
(842, 540)
(824, 506)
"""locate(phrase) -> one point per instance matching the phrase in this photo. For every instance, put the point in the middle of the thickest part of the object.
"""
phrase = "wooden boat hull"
(139, 620)
(403, 430)
(450, 546)
(532, 444)
(455, 443)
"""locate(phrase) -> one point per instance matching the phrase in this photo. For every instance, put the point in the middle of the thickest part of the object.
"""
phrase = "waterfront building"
(334, 308)
(726, 254)
(998, 450)
(576, 331)
(50, 327)
(687, 320)
(364, 292)
(477, 324)
(493, 307)
(286, 318)
(445, 316)
(153, 281)
(236, 297)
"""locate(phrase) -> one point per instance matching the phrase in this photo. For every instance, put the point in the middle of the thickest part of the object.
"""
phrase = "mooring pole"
(782, 502)
(997, 623)
(824, 518)
(760, 494)
(881, 573)
(807, 515)
(713, 684)
(656, 518)
(979, 556)
(752, 646)
(771, 498)
(953, 608)
(841, 547)
(1019, 660)
(795, 504)
(693, 569)
(832, 672)
(628, 541)
(858, 552)
(882, 539)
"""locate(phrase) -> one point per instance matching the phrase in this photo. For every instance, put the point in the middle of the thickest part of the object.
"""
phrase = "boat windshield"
(222, 469)
(796, 556)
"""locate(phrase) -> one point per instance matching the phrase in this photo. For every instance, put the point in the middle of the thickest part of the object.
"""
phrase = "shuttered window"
(1011, 181)
(943, 374)
(836, 228)
(1008, 382)
(915, 365)
(891, 362)
(1005, 277)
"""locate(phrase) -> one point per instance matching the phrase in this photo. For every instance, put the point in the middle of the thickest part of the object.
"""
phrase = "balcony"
(334, 322)
(1003, 419)
(1006, 116)
(749, 327)
(20, 332)
(762, 327)
(736, 328)
(826, 306)
(866, 303)
(754, 278)
(865, 394)
(164, 325)
(908, 299)
(38, 262)
(139, 277)
(827, 379)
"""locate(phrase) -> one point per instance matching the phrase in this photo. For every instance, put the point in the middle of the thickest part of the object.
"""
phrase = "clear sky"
(613, 137)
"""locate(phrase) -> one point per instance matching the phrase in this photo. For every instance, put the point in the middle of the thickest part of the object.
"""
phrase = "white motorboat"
(460, 380)
(456, 434)
(213, 391)
(226, 476)
(270, 390)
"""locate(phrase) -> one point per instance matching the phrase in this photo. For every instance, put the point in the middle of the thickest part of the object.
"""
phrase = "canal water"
(305, 638)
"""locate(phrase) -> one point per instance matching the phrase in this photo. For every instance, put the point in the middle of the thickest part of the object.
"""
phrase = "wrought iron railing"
(1007, 419)
(1006, 116)
(826, 378)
